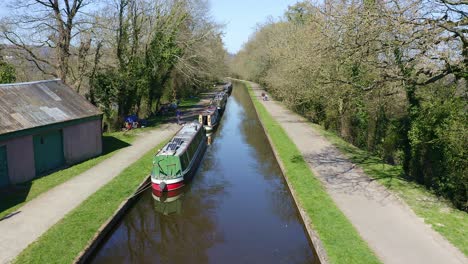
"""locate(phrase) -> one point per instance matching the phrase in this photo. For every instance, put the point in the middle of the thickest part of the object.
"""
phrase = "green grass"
(65, 240)
(187, 102)
(340, 239)
(448, 221)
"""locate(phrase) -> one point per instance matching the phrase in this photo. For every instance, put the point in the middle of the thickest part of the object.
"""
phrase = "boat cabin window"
(185, 160)
(205, 120)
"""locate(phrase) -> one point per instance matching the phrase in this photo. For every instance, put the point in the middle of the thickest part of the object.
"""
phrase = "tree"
(7, 72)
(388, 76)
(42, 31)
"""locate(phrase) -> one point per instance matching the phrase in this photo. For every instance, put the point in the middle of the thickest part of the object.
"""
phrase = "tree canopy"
(388, 76)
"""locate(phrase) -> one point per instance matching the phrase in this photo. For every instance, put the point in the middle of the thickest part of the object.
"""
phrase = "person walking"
(178, 115)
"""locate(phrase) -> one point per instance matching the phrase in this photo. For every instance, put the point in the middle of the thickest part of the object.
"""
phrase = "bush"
(438, 139)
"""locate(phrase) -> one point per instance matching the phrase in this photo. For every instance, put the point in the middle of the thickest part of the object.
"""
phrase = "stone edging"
(101, 234)
(313, 236)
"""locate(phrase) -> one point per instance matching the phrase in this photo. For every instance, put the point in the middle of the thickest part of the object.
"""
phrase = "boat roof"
(209, 110)
(180, 142)
(220, 95)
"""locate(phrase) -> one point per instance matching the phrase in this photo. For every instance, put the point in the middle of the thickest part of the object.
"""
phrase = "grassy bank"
(65, 240)
(448, 221)
(340, 239)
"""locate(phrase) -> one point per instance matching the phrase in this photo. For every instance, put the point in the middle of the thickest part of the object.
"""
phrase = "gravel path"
(395, 233)
(38, 215)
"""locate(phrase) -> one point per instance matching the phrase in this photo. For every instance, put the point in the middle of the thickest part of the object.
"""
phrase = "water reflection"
(237, 209)
(168, 203)
(209, 137)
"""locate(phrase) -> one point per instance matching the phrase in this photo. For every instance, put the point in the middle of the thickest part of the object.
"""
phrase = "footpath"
(38, 215)
(395, 233)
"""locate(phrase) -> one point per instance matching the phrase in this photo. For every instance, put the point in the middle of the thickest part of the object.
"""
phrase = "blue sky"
(242, 16)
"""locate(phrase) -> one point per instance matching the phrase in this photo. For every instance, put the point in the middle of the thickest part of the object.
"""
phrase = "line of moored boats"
(176, 163)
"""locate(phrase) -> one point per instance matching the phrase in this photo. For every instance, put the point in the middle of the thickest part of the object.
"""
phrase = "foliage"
(7, 72)
(104, 85)
(125, 56)
(156, 54)
(387, 77)
(438, 141)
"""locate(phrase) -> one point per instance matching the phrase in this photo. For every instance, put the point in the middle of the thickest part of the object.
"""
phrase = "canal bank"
(237, 209)
(390, 228)
(74, 211)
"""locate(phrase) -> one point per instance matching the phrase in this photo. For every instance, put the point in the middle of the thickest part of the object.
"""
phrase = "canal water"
(237, 209)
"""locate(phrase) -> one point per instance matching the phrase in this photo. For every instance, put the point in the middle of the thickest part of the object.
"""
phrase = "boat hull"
(169, 186)
(180, 182)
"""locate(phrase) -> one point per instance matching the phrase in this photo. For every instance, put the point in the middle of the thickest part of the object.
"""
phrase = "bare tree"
(43, 32)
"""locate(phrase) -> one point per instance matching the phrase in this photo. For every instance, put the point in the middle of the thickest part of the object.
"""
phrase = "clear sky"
(242, 16)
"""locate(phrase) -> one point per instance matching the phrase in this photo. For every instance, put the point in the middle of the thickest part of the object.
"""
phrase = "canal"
(237, 209)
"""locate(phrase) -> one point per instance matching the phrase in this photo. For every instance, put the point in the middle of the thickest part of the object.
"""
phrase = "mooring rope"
(143, 188)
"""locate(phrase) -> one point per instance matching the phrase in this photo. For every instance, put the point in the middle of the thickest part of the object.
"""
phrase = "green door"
(4, 179)
(48, 151)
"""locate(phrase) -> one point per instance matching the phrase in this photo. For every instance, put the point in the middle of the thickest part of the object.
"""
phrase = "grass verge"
(340, 239)
(188, 102)
(65, 240)
(448, 221)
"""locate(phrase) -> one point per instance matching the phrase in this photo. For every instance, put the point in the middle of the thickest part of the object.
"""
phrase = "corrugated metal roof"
(34, 104)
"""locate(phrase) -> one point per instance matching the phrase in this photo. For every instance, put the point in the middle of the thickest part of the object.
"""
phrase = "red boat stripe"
(169, 187)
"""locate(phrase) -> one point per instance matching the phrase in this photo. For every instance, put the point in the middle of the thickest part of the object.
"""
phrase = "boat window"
(191, 149)
(184, 159)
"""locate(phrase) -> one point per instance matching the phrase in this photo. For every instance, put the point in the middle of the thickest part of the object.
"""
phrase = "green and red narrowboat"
(176, 163)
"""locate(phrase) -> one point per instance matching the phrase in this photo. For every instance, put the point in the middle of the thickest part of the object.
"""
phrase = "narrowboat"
(220, 100)
(209, 118)
(228, 88)
(176, 163)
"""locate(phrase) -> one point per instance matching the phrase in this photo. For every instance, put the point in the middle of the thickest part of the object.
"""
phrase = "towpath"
(388, 225)
(38, 215)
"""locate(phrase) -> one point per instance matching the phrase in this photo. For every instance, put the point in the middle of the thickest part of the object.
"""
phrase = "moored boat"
(228, 88)
(209, 118)
(176, 163)
(220, 100)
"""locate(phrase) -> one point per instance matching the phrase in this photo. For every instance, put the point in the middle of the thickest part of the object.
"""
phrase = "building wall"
(82, 141)
(20, 156)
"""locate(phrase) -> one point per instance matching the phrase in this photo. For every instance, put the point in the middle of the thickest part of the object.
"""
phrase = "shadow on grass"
(13, 195)
(297, 159)
(111, 144)
(18, 193)
(388, 175)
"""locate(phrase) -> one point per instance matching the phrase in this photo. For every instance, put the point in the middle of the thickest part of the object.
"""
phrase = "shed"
(44, 125)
